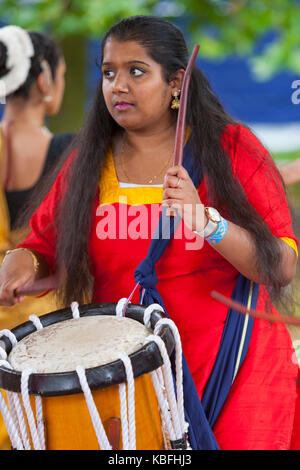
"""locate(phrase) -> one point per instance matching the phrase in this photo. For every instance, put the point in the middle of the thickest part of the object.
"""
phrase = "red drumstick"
(42, 285)
(288, 319)
(181, 118)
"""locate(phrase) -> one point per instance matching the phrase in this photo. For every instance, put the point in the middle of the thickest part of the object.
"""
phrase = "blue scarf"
(201, 416)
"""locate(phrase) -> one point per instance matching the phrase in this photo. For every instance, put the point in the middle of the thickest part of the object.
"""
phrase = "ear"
(42, 83)
(177, 80)
(44, 80)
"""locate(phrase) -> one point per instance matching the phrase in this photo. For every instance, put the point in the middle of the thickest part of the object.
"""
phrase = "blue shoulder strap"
(199, 416)
(232, 351)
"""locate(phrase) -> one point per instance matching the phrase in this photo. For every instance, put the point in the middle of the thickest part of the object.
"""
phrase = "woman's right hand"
(17, 271)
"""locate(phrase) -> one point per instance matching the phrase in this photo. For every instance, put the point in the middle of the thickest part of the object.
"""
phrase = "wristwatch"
(213, 220)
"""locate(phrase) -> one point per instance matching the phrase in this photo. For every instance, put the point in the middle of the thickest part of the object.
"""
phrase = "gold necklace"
(153, 177)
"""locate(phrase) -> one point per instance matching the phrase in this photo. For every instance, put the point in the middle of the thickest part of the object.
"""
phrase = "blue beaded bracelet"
(219, 234)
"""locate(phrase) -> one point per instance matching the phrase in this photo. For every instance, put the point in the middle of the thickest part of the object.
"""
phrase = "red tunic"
(260, 410)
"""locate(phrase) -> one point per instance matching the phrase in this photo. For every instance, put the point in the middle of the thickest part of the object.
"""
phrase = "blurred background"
(249, 50)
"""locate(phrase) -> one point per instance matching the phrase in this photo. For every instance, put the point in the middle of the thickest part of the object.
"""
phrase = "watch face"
(213, 214)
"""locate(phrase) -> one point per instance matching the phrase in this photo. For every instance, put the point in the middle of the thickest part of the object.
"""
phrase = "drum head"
(93, 341)
(88, 341)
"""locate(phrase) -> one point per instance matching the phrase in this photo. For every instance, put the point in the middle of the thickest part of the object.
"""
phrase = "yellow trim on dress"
(111, 192)
(291, 242)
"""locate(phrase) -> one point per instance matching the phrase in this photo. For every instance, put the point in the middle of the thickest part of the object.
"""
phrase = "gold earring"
(176, 101)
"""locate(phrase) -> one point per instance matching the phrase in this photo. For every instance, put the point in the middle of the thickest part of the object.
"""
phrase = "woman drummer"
(95, 224)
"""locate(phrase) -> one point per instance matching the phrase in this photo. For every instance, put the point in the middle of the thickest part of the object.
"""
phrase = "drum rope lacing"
(128, 424)
(96, 420)
(36, 428)
(172, 410)
(9, 418)
(14, 416)
(171, 407)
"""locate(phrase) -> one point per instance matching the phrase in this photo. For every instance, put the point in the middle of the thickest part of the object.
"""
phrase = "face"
(135, 92)
(57, 89)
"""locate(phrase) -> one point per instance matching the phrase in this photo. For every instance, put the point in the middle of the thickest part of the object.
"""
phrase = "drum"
(93, 376)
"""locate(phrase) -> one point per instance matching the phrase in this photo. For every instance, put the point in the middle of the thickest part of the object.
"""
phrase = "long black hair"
(206, 118)
(45, 48)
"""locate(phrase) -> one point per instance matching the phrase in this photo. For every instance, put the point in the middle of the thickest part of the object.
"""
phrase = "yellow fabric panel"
(291, 242)
(19, 313)
(4, 214)
(110, 191)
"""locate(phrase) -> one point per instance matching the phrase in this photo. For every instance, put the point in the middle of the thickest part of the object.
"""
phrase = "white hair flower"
(19, 52)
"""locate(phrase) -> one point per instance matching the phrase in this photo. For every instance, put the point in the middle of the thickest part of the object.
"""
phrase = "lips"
(123, 105)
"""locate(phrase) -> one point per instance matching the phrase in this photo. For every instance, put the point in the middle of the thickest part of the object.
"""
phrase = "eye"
(108, 73)
(136, 71)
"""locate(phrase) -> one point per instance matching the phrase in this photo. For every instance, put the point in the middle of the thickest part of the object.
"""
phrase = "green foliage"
(281, 158)
(69, 17)
(221, 27)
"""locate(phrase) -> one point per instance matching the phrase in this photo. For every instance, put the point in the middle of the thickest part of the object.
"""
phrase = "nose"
(120, 84)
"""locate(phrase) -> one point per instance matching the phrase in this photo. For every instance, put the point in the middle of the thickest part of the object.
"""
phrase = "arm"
(20, 268)
(290, 172)
(237, 247)
(243, 256)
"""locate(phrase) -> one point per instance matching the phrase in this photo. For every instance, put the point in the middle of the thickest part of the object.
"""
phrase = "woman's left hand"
(181, 195)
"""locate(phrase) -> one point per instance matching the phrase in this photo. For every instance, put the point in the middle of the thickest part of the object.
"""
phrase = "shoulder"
(237, 139)
(239, 133)
(63, 139)
(59, 143)
(247, 154)
(57, 146)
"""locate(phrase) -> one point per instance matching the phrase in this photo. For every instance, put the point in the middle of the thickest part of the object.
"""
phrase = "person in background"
(290, 172)
(32, 83)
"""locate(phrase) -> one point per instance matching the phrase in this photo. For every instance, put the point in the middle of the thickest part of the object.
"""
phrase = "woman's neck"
(25, 114)
(143, 143)
(144, 157)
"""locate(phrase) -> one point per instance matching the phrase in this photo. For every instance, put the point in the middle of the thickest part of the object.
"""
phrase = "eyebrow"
(129, 62)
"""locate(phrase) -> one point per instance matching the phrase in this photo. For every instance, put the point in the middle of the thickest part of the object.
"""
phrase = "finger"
(178, 171)
(7, 289)
(171, 181)
(6, 297)
(173, 193)
(7, 303)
